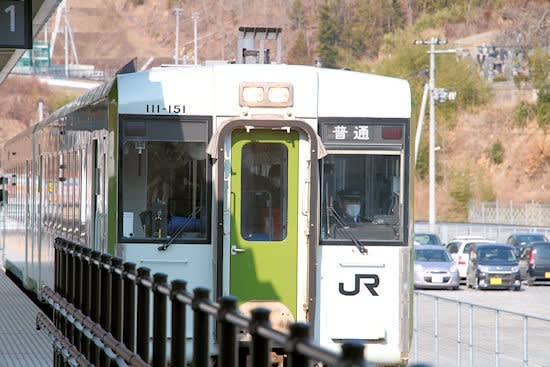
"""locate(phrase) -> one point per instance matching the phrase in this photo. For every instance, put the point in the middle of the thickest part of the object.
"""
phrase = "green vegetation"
(57, 101)
(496, 152)
(297, 15)
(539, 67)
(406, 60)
(519, 78)
(298, 54)
(543, 107)
(461, 192)
(499, 78)
(524, 112)
(465, 184)
(486, 192)
(328, 35)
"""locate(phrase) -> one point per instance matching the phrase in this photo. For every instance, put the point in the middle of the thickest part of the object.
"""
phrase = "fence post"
(227, 333)
(471, 342)
(353, 355)
(57, 276)
(525, 345)
(415, 326)
(105, 310)
(260, 347)
(459, 334)
(200, 328)
(68, 285)
(178, 324)
(436, 330)
(143, 306)
(116, 298)
(95, 299)
(85, 295)
(497, 348)
(159, 320)
(129, 318)
(299, 332)
(77, 287)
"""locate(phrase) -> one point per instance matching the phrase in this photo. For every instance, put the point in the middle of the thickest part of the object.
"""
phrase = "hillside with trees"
(490, 147)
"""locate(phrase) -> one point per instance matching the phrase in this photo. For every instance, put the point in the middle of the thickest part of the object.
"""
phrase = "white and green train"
(287, 186)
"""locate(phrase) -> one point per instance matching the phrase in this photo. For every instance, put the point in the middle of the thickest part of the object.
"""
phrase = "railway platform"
(21, 345)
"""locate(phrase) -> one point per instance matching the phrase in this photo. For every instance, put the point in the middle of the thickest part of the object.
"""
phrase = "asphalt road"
(442, 318)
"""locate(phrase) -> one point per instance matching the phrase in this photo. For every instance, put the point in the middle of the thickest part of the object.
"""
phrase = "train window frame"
(403, 206)
(206, 122)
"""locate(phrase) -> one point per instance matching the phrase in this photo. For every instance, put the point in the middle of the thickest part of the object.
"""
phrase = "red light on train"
(392, 133)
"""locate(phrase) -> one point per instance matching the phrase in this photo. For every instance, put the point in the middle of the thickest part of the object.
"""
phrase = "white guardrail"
(449, 332)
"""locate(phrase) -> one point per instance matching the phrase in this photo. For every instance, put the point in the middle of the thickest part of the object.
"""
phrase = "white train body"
(284, 185)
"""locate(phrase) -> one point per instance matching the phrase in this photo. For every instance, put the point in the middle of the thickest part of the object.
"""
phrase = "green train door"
(264, 216)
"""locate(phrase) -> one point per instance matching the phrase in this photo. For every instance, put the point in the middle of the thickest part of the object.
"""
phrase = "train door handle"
(235, 250)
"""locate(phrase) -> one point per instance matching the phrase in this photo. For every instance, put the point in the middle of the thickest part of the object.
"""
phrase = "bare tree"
(528, 26)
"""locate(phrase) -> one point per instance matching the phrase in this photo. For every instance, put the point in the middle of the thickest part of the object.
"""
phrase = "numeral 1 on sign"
(11, 10)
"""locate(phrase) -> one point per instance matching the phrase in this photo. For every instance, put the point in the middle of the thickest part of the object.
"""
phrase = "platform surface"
(21, 345)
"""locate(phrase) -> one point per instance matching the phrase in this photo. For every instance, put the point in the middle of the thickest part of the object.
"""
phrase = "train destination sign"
(360, 133)
(16, 24)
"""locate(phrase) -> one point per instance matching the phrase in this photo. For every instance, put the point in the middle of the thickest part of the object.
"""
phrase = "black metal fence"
(102, 307)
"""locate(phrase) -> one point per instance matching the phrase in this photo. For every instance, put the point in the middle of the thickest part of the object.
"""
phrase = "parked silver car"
(434, 268)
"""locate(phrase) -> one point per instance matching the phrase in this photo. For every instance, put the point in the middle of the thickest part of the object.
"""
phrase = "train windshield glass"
(360, 197)
(164, 181)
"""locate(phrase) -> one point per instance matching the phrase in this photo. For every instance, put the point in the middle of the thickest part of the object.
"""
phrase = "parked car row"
(481, 263)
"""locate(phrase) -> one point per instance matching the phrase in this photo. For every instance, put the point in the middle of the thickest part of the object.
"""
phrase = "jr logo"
(369, 285)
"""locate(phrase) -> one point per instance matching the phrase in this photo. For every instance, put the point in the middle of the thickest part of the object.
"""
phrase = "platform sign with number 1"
(15, 24)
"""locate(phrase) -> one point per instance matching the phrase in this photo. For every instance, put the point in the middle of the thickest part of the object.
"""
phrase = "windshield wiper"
(357, 242)
(179, 231)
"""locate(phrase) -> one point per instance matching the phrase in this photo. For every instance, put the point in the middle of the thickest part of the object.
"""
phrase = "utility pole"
(431, 150)
(176, 50)
(195, 16)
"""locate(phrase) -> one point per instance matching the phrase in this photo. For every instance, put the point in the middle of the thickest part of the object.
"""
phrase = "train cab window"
(360, 197)
(164, 181)
(264, 192)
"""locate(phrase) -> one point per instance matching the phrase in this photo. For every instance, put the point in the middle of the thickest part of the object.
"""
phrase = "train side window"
(83, 204)
(164, 186)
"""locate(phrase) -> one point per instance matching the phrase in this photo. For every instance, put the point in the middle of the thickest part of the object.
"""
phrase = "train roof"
(318, 92)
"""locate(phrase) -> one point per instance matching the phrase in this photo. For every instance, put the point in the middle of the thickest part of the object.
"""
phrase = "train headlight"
(418, 268)
(278, 95)
(266, 95)
(253, 95)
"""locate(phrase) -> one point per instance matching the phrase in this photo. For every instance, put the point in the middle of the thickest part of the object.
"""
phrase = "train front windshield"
(361, 197)
(163, 188)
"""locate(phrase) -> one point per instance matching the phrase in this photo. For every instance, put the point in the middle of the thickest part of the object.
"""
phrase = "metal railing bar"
(529, 315)
(525, 344)
(238, 320)
(61, 343)
(101, 338)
